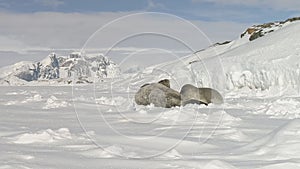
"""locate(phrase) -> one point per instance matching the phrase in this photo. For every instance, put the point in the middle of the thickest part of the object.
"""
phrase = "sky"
(29, 29)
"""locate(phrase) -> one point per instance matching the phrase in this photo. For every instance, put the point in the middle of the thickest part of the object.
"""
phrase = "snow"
(216, 164)
(283, 108)
(100, 126)
(46, 136)
(34, 98)
(53, 103)
(109, 134)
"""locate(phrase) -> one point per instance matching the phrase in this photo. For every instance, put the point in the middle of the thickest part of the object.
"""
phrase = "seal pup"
(191, 95)
(159, 94)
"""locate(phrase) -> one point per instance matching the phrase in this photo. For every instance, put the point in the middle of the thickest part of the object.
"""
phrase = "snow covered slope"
(60, 69)
(268, 62)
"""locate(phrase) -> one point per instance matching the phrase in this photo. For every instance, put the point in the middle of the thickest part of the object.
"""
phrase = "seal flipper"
(193, 101)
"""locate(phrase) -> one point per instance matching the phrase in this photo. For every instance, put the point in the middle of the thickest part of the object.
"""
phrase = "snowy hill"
(76, 68)
(268, 61)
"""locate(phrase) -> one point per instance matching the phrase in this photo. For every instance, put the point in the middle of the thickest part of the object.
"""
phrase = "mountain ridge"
(75, 68)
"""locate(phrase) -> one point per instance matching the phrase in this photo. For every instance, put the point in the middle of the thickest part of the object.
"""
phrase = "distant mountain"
(75, 68)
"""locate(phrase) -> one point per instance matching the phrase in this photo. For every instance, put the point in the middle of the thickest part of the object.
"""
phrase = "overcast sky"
(29, 29)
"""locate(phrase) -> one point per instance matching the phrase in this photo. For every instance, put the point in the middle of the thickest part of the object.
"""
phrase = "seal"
(159, 94)
(193, 95)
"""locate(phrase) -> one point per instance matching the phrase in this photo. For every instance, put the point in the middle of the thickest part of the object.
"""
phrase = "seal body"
(159, 94)
(191, 94)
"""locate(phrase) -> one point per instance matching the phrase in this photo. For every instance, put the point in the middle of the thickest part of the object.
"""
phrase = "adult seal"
(193, 95)
(159, 94)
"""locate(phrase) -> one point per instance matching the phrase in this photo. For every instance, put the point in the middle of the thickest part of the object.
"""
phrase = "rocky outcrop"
(39, 71)
(257, 31)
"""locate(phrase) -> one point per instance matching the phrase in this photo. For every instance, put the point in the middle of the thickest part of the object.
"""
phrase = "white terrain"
(85, 115)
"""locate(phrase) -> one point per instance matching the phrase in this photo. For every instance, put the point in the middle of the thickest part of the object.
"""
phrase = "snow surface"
(99, 125)
(101, 128)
